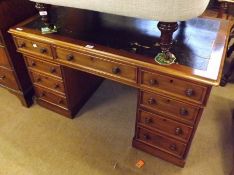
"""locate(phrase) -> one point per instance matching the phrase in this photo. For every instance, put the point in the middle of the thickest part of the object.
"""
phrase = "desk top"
(200, 44)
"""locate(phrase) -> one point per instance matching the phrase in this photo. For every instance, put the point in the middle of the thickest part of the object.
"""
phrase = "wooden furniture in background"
(13, 72)
(66, 67)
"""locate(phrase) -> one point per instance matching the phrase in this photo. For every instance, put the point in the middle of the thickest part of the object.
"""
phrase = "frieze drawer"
(34, 47)
(49, 82)
(164, 125)
(174, 86)
(45, 67)
(172, 108)
(97, 65)
(161, 142)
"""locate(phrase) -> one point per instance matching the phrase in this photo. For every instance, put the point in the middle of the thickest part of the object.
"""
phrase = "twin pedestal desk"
(68, 66)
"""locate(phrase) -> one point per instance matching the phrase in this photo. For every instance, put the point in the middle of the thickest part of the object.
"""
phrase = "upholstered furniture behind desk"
(13, 72)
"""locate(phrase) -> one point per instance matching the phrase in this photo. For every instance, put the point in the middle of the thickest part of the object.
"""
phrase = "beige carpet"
(37, 141)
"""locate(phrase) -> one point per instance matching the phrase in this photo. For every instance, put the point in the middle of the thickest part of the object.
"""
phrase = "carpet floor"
(97, 141)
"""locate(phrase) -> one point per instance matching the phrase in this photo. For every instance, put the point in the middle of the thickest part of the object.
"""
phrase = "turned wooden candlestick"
(166, 39)
(44, 13)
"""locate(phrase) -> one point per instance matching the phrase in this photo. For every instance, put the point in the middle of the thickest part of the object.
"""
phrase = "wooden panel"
(107, 67)
(49, 96)
(42, 66)
(164, 125)
(169, 107)
(34, 47)
(7, 78)
(46, 81)
(175, 86)
(4, 58)
(161, 142)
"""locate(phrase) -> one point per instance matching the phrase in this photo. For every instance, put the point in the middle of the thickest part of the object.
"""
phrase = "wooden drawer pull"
(148, 120)
(60, 101)
(22, 45)
(183, 111)
(173, 147)
(146, 136)
(189, 92)
(52, 70)
(178, 131)
(43, 50)
(2, 77)
(153, 82)
(116, 70)
(33, 63)
(152, 101)
(70, 57)
(56, 86)
(42, 95)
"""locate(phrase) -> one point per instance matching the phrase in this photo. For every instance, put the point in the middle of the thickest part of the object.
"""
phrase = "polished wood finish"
(91, 45)
(13, 72)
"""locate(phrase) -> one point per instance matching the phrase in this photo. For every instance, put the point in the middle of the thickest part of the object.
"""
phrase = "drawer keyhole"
(22, 45)
(60, 101)
(52, 70)
(33, 64)
(153, 82)
(56, 86)
(42, 95)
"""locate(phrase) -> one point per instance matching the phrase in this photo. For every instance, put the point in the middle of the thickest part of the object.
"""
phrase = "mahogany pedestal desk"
(67, 67)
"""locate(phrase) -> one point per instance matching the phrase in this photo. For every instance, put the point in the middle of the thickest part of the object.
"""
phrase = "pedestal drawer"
(174, 86)
(49, 82)
(34, 47)
(161, 142)
(49, 96)
(38, 65)
(3, 58)
(169, 107)
(7, 78)
(102, 66)
(164, 125)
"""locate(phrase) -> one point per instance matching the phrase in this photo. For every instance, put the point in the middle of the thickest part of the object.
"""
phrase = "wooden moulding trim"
(209, 77)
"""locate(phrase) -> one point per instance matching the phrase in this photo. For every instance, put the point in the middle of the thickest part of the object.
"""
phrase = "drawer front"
(42, 66)
(109, 68)
(34, 47)
(175, 86)
(161, 142)
(49, 96)
(7, 78)
(170, 107)
(47, 81)
(162, 124)
(3, 58)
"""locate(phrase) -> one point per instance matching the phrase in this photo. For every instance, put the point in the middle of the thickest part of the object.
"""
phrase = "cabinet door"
(4, 58)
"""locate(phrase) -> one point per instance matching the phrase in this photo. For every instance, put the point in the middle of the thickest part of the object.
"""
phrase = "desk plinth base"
(156, 152)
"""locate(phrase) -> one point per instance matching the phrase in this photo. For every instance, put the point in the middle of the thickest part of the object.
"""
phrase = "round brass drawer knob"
(70, 57)
(116, 70)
